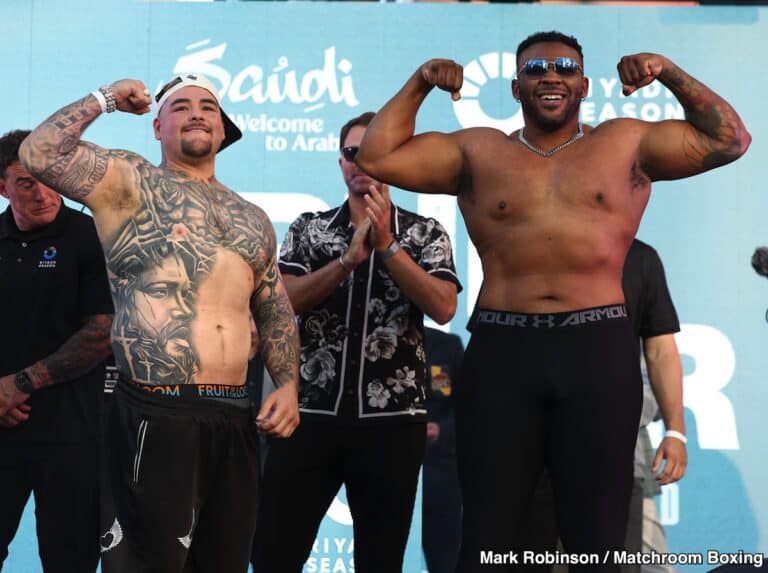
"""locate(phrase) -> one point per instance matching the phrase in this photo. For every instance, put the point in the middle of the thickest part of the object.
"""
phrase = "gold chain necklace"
(521, 138)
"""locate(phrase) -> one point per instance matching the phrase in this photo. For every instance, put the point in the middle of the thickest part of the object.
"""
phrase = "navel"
(600, 197)
(502, 205)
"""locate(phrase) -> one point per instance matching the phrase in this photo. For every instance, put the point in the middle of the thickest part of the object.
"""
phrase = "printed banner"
(290, 74)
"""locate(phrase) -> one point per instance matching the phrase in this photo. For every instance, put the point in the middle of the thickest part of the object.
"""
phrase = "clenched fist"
(445, 74)
(132, 96)
(638, 70)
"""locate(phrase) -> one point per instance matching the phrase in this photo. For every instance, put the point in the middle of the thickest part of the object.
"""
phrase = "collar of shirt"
(9, 229)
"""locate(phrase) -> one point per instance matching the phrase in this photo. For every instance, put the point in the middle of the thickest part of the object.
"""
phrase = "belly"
(223, 343)
(221, 330)
(552, 267)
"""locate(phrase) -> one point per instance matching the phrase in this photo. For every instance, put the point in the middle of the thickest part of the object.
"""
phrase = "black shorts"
(179, 484)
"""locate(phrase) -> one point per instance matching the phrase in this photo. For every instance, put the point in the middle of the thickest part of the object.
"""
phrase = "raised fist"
(445, 74)
(132, 96)
(638, 70)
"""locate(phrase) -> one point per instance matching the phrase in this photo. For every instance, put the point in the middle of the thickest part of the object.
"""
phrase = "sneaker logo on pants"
(112, 538)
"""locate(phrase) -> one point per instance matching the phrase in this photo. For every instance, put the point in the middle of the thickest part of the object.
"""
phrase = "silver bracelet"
(390, 251)
(109, 99)
(677, 435)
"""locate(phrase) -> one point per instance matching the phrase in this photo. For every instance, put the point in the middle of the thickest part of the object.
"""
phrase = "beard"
(171, 356)
(165, 357)
(547, 121)
(196, 148)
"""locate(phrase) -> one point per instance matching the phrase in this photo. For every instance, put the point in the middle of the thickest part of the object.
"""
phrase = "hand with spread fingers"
(379, 212)
(673, 451)
(445, 74)
(638, 70)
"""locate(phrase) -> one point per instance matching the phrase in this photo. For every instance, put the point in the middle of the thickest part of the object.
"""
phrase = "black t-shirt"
(646, 296)
(51, 280)
(444, 354)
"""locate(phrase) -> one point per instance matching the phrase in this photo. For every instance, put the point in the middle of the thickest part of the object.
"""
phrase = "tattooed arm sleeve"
(712, 134)
(55, 154)
(274, 316)
(79, 354)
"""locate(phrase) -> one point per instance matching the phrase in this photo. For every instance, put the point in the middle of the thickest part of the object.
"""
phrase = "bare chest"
(192, 222)
(520, 185)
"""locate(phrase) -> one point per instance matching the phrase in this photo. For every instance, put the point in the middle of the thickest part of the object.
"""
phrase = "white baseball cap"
(231, 132)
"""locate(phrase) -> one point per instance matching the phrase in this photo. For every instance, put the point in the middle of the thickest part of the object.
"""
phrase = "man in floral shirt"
(361, 276)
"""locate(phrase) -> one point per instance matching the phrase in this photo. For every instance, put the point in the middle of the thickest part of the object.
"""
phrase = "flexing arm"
(309, 290)
(278, 345)
(389, 152)
(79, 354)
(666, 375)
(55, 154)
(434, 296)
(712, 134)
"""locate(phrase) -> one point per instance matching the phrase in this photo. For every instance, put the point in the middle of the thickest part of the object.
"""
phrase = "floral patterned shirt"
(362, 349)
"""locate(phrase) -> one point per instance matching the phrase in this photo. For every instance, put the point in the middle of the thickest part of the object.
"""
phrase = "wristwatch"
(24, 382)
(390, 251)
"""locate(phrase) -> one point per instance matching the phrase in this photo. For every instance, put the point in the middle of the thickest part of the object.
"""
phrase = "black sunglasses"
(349, 153)
(539, 67)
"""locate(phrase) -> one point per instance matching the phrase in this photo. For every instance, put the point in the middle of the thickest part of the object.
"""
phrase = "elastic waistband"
(556, 320)
(231, 395)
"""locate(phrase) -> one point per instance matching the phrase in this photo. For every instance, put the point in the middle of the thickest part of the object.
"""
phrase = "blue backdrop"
(292, 73)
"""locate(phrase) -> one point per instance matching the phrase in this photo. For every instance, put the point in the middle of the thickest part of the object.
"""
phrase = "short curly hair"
(9, 148)
(552, 36)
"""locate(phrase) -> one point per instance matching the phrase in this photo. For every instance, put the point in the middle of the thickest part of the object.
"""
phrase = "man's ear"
(584, 87)
(156, 126)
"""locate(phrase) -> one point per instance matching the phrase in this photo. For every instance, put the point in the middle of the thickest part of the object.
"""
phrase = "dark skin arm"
(427, 163)
(712, 134)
